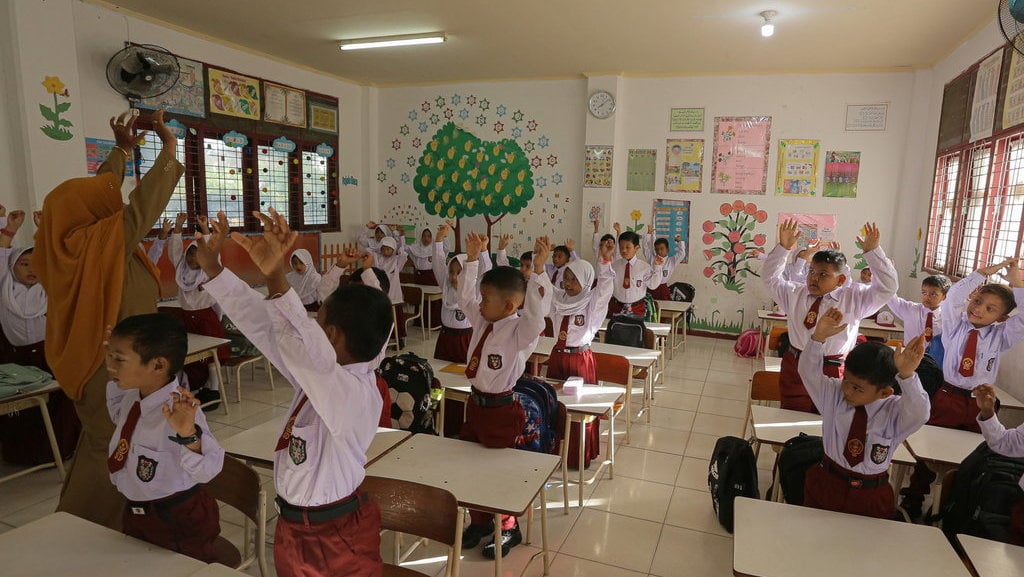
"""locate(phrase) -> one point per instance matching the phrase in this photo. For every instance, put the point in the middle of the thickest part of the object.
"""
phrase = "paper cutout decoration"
(234, 94)
(733, 244)
(798, 168)
(178, 129)
(283, 144)
(325, 150)
(235, 139)
(58, 127)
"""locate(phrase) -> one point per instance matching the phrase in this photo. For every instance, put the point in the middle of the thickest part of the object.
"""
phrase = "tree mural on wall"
(460, 175)
(733, 243)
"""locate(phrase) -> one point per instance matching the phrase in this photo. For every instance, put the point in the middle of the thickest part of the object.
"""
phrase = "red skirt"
(791, 386)
(348, 545)
(189, 527)
(661, 293)
(823, 490)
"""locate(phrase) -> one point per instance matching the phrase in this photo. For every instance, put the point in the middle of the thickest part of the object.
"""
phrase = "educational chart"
(798, 168)
(97, 150)
(234, 94)
(671, 218)
(640, 169)
(686, 120)
(986, 90)
(820, 227)
(187, 96)
(684, 165)
(740, 163)
(1013, 105)
(597, 167)
(284, 105)
(842, 168)
(866, 117)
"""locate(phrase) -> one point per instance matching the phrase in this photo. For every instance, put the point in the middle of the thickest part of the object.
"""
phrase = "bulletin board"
(235, 258)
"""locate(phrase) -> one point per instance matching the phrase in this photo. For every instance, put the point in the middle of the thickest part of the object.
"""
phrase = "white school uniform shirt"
(452, 315)
(1009, 443)
(583, 325)
(914, 317)
(156, 250)
(856, 301)
(392, 265)
(551, 269)
(642, 277)
(671, 262)
(890, 420)
(190, 300)
(992, 339)
(326, 456)
(22, 308)
(421, 255)
(157, 467)
(513, 338)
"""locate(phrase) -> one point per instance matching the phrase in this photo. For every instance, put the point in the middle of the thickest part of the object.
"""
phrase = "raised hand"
(869, 241)
(179, 222)
(503, 241)
(985, 396)
(122, 127)
(348, 258)
(1013, 275)
(789, 232)
(204, 224)
(15, 219)
(181, 412)
(268, 250)
(995, 268)
(597, 223)
(37, 217)
(208, 250)
(475, 243)
(829, 324)
(659, 260)
(541, 252)
(908, 358)
(442, 232)
(808, 253)
(165, 228)
(367, 260)
(371, 225)
(167, 137)
(618, 229)
(570, 244)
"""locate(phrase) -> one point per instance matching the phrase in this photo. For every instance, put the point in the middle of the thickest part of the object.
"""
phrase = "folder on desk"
(455, 369)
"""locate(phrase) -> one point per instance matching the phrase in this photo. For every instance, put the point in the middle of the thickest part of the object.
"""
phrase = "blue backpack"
(538, 398)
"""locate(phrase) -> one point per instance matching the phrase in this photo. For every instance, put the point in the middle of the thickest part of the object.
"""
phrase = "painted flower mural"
(58, 127)
(732, 242)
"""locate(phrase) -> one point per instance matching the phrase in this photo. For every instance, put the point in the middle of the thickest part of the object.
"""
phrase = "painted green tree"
(460, 175)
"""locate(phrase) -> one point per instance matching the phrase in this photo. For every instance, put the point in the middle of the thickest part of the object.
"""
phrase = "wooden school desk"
(992, 558)
(201, 347)
(428, 295)
(256, 445)
(37, 398)
(779, 540)
(868, 327)
(498, 481)
(62, 544)
(774, 426)
(942, 450)
(676, 312)
(593, 402)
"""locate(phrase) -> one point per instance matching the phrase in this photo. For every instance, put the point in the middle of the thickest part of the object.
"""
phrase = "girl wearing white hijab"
(371, 236)
(305, 279)
(453, 342)
(422, 255)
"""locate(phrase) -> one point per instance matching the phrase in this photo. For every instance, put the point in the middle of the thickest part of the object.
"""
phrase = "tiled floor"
(653, 519)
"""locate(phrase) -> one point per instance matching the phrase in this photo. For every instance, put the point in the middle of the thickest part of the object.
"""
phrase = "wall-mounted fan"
(1011, 22)
(142, 71)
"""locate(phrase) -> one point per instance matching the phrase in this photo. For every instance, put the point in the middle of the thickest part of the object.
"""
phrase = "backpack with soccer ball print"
(410, 380)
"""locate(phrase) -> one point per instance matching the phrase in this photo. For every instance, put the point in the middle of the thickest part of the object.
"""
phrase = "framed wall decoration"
(323, 117)
(233, 94)
(284, 105)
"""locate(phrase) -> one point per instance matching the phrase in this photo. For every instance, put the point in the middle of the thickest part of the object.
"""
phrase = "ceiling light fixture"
(768, 29)
(388, 41)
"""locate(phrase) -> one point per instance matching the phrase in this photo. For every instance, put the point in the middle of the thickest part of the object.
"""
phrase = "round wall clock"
(601, 104)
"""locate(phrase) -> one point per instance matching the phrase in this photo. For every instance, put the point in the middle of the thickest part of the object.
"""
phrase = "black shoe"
(472, 535)
(204, 396)
(509, 539)
(911, 505)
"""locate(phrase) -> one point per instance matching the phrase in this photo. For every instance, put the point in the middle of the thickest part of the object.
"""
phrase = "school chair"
(615, 369)
(393, 340)
(238, 485)
(420, 510)
(238, 362)
(764, 389)
(413, 296)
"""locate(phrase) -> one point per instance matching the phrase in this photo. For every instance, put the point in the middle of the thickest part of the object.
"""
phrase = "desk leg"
(453, 569)
(580, 455)
(629, 408)
(565, 465)
(497, 545)
(611, 444)
(57, 460)
(685, 313)
(765, 333)
(220, 379)
(544, 526)
(440, 414)
(423, 314)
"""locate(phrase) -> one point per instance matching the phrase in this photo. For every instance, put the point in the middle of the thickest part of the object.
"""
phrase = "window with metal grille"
(273, 166)
(146, 154)
(315, 199)
(222, 178)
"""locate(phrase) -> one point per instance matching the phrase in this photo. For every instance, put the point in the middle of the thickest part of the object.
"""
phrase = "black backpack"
(540, 402)
(732, 473)
(682, 291)
(930, 373)
(625, 330)
(984, 491)
(797, 456)
(410, 380)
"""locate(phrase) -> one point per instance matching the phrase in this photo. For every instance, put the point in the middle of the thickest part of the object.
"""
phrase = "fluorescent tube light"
(388, 41)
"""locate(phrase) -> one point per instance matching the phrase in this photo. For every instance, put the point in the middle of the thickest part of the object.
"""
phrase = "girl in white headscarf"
(453, 342)
(422, 255)
(305, 279)
(371, 236)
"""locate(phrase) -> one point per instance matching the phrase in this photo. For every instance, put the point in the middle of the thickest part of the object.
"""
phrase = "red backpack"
(748, 344)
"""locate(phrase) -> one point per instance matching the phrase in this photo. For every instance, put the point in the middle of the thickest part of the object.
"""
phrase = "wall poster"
(640, 167)
(798, 168)
(234, 94)
(284, 105)
(684, 165)
(842, 169)
(671, 218)
(597, 167)
(740, 162)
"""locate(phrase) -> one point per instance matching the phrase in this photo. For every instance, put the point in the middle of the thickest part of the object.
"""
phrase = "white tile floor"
(653, 519)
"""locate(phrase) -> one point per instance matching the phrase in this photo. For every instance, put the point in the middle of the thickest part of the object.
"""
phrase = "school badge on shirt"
(578, 320)
(297, 450)
(879, 453)
(494, 362)
(855, 447)
(459, 315)
(639, 283)
(146, 469)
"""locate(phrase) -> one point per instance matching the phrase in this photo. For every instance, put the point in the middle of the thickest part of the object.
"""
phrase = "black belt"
(853, 479)
(489, 401)
(162, 505)
(451, 331)
(320, 513)
(956, 390)
(572, 350)
(831, 360)
(626, 305)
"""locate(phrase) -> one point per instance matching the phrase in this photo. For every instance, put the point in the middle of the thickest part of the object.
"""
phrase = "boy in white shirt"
(633, 277)
(1009, 443)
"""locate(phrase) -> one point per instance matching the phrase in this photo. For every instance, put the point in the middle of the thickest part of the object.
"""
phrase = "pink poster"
(820, 227)
(740, 161)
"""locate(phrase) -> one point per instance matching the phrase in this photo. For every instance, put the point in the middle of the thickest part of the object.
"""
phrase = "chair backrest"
(237, 485)
(407, 277)
(413, 508)
(412, 295)
(764, 386)
(549, 327)
(649, 339)
(613, 369)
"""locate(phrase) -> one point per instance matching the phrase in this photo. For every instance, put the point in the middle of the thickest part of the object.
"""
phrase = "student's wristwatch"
(194, 438)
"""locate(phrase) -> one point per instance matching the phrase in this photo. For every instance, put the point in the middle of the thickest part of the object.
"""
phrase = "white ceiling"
(510, 39)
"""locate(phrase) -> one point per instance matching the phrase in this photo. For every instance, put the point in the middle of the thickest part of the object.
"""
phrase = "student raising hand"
(829, 324)
(985, 396)
(871, 238)
(475, 244)
(607, 252)
(503, 242)
(1013, 275)
(541, 252)
(789, 232)
(268, 251)
(208, 249)
(909, 357)
(166, 225)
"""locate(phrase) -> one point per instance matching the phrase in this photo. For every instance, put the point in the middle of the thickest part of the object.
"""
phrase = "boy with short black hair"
(924, 318)
(501, 343)
(162, 449)
(633, 277)
(863, 422)
(659, 250)
(561, 255)
(824, 288)
(326, 526)
(602, 240)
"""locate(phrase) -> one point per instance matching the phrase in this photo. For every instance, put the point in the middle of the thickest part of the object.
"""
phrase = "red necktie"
(554, 278)
(286, 434)
(563, 333)
(474, 361)
(117, 459)
(854, 451)
(812, 315)
(928, 328)
(626, 280)
(970, 350)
